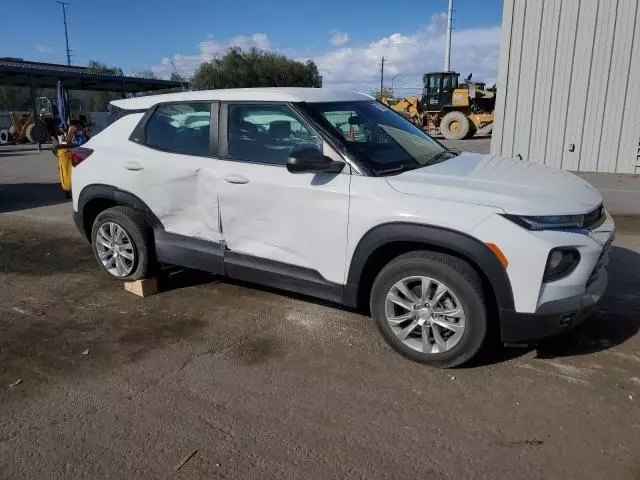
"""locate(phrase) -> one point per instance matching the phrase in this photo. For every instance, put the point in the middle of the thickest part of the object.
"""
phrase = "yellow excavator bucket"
(407, 107)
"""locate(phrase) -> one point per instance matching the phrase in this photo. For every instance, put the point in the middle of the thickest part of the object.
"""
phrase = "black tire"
(461, 278)
(472, 130)
(5, 136)
(37, 133)
(141, 238)
(450, 119)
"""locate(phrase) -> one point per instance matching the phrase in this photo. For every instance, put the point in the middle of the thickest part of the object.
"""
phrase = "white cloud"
(473, 50)
(358, 66)
(44, 49)
(209, 49)
(339, 38)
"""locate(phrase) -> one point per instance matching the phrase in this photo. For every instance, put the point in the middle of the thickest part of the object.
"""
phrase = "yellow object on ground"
(64, 166)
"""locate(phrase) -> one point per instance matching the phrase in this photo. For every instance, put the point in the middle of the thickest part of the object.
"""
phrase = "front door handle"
(235, 178)
(133, 166)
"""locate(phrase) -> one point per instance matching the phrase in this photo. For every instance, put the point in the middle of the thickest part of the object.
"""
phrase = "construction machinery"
(27, 128)
(448, 108)
(48, 112)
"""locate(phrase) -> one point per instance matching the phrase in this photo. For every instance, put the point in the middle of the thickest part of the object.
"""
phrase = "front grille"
(600, 264)
(594, 218)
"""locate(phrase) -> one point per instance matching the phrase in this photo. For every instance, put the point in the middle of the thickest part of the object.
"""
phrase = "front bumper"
(553, 317)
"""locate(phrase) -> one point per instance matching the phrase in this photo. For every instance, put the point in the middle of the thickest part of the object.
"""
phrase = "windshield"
(377, 136)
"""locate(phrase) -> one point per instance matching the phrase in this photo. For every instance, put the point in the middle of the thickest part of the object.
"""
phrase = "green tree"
(255, 68)
(386, 92)
(95, 66)
(146, 74)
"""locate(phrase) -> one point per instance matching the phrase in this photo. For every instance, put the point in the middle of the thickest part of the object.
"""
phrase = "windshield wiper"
(440, 156)
(386, 171)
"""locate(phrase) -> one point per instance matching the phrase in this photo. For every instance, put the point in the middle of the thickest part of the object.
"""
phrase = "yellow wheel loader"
(449, 109)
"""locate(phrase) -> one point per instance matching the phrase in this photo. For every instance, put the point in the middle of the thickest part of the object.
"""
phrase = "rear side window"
(180, 128)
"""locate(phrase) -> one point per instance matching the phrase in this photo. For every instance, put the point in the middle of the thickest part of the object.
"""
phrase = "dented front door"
(288, 220)
(293, 219)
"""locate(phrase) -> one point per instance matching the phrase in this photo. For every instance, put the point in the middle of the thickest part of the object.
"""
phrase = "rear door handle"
(134, 166)
(235, 178)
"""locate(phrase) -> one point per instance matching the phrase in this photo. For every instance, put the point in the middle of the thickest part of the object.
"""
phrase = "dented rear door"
(172, 169)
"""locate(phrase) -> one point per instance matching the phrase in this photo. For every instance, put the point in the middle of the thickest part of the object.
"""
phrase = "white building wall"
(569, 84)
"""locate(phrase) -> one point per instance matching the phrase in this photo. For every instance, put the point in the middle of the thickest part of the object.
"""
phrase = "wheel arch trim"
(120, 197)
(460, 244)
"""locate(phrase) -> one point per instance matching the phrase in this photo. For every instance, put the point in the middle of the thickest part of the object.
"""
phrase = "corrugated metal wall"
(570, 75)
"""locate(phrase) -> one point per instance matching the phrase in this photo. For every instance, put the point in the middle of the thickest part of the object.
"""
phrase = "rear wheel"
(122, 244)
(5, 136)
(430, 308)
(455, 126)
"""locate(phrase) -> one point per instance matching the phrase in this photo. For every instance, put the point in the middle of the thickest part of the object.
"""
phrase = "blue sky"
(343, 37)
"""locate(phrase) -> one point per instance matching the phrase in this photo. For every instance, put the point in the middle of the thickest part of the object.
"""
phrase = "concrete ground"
(263, 384)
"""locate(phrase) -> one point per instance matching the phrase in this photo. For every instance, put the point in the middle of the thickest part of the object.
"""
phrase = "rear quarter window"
(116, 113)
(180, 128)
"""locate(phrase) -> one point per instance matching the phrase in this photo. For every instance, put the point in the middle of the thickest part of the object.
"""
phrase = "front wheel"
(455, 126)
(430, 308)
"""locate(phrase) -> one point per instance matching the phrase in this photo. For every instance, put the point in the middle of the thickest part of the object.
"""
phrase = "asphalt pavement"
(218, 379)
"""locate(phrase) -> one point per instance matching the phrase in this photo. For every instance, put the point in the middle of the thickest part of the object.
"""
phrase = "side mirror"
(311, 160)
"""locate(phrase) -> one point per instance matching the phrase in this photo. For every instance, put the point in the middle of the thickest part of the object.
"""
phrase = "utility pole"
(393, 92)
(66, 33)
(381, 76)
(447, 54)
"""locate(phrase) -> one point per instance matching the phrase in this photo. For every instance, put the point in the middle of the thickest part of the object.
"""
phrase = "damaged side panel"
(179, 191)
(287, 218)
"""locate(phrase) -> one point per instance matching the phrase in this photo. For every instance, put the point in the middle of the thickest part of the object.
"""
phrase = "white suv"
(334, 195)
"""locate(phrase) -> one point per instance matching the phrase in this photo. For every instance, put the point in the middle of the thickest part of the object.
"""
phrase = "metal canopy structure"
(21, 73)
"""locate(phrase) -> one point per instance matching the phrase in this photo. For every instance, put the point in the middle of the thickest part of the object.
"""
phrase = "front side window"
(267, 133)
(377, 136)
(180, 128)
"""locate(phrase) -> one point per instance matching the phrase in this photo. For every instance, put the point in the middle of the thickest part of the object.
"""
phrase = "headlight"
(561, 261)
(547, 222)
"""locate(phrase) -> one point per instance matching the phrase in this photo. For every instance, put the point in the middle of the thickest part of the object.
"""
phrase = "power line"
(66, 33)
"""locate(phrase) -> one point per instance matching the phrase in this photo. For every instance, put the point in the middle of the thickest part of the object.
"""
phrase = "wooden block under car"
(142, 288)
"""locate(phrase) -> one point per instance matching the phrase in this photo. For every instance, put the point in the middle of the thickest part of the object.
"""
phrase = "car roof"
(310, 95)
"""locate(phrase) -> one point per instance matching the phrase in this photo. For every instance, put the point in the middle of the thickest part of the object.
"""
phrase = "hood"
(513, 185)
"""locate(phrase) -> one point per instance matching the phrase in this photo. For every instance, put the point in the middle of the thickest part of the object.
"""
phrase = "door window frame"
(139, 134)
(223, 128)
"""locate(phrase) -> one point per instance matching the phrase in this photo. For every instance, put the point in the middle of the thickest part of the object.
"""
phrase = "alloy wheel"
(425, 314)
(115, 249)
